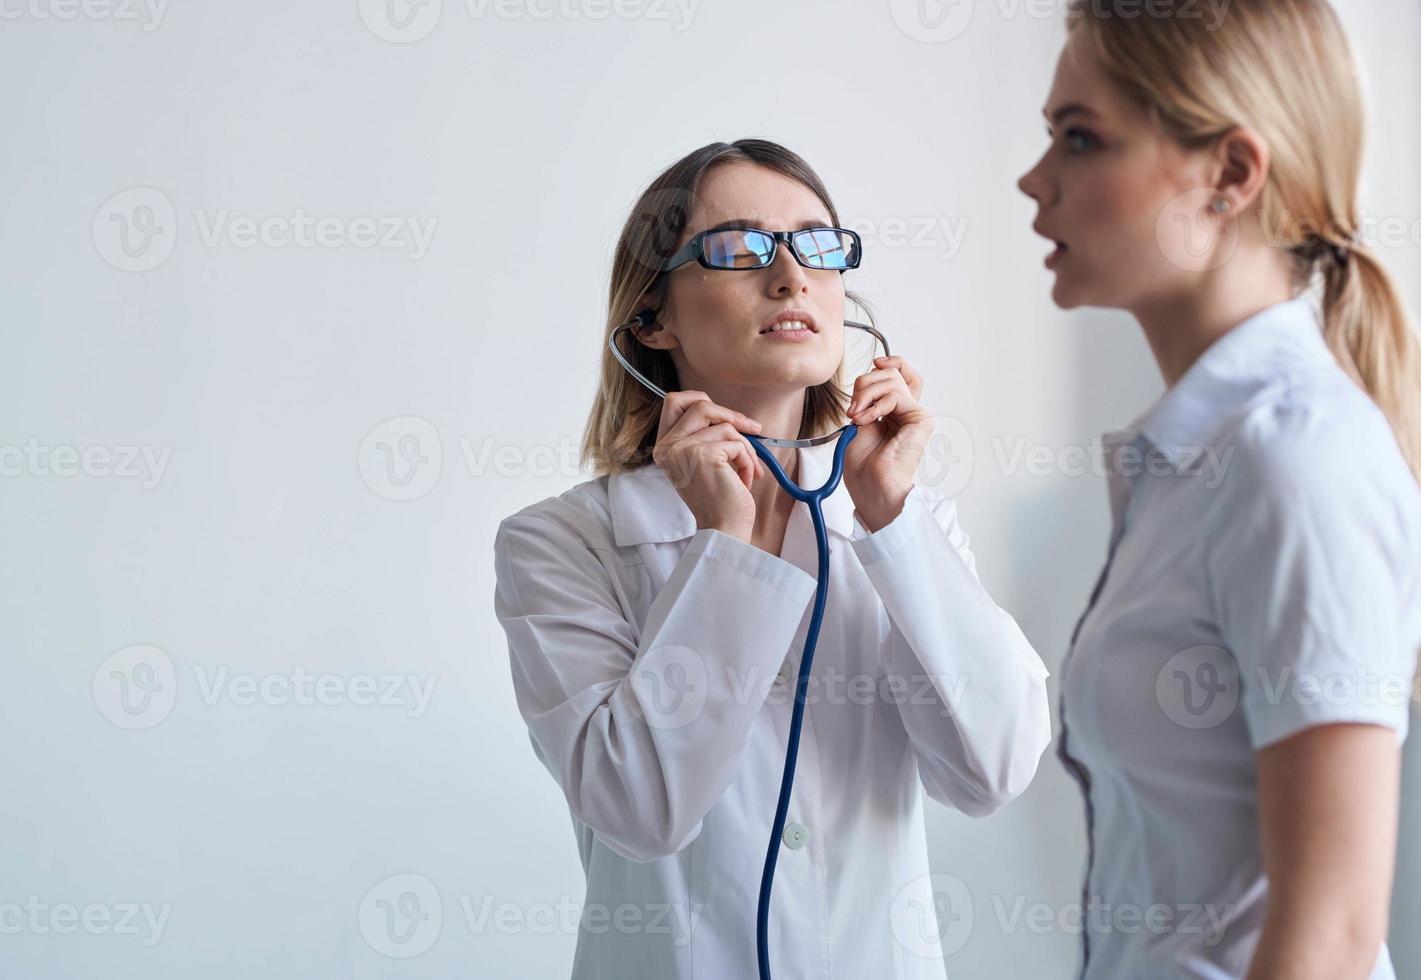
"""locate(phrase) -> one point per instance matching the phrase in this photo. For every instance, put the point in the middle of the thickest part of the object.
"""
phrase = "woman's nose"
(1032, 183)
(786, 274)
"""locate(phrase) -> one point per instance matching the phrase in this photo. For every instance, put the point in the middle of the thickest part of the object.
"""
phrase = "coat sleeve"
(971, 691)
(642, 728)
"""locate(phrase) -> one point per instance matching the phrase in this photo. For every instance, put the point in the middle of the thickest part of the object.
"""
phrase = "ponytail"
(1370, 334)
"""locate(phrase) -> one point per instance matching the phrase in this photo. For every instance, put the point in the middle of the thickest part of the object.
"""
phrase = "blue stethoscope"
(815, 500)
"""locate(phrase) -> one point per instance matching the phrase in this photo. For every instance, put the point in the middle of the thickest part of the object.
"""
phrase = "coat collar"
(1194, 413)
(645, 506)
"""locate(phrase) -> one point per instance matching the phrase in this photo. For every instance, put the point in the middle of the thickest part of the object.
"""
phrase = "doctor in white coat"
(656, 616)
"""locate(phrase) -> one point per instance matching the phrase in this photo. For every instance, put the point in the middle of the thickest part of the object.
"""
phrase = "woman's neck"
(1181, 326)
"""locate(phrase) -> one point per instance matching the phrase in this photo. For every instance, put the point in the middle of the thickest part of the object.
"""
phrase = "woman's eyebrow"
(1068, 109)
(737, 223)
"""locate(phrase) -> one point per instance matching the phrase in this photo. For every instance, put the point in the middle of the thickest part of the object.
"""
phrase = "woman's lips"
(1055, 256)
(790, 336)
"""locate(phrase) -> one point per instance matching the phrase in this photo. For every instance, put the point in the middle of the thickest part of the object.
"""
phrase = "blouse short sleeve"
(1313, 569)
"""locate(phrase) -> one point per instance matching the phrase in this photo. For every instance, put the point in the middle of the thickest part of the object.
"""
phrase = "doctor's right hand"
(711, 465)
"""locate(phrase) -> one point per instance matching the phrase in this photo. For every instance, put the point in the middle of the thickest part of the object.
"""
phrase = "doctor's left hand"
(882, 461)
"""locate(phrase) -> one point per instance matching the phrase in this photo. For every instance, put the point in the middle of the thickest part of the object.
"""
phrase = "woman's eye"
(1079, 140)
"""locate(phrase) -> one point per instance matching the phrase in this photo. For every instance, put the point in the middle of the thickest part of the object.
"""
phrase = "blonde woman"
(1236, 694)
(656, 614)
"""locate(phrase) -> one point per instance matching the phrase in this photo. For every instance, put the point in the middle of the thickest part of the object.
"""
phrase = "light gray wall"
(264, 536)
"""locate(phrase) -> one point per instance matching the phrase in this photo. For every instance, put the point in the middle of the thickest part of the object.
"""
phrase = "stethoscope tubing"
(814, 499)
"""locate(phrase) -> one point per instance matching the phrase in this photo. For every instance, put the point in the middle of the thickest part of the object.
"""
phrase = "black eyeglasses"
(835, 249)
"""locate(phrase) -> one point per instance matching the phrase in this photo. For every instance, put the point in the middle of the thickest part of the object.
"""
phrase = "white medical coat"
(654, 664)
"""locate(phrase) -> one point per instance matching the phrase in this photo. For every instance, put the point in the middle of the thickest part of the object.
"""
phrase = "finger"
(734, 455)
(676, 404)
(910, 374)
(703, 449)
(865, 398)
(706, 413)
(745, 463)
(883, 407)
(892, 400)
(712, 435)
(873, 377)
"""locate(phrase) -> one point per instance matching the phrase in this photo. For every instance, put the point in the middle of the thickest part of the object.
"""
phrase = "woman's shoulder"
(580, 514)
(1317, 430)
(1315, 461)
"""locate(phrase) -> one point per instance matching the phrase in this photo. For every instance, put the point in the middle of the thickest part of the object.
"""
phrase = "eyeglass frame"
(692, 250)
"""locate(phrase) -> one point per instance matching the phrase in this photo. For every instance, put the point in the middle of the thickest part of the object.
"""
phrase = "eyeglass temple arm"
(660, 393)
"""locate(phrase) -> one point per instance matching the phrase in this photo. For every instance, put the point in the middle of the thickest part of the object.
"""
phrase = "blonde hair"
(621, 429)
(1283, 68)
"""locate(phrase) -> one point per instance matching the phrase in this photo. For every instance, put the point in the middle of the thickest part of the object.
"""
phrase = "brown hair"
(621, 428)
(1283, 68)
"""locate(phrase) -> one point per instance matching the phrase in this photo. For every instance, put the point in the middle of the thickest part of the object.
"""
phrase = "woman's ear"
(653, 332)
(1242, 162)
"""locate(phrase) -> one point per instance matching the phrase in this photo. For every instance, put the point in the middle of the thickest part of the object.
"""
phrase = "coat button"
(796, 835)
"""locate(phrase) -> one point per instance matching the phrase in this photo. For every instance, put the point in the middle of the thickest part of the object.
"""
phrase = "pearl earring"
(1222, 205)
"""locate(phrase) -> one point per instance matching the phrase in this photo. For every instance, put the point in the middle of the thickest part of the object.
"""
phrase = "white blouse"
(654, 664)
(1264, 576)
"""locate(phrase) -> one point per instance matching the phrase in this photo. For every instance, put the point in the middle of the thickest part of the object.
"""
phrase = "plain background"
(336, 428)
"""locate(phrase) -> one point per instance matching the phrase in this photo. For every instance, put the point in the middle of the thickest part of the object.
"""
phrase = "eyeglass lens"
(746, 248)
